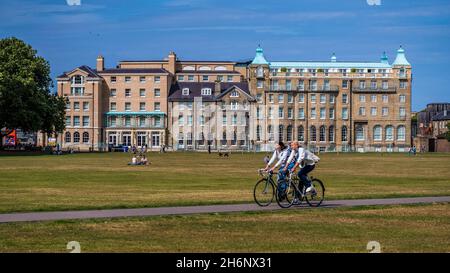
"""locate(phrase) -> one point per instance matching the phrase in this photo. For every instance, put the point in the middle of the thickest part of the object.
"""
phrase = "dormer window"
(234, 94)
(185, 91)
(77, 79)
(206, 91)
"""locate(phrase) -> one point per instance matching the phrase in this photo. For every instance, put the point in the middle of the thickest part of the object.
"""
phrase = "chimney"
(217, 88)
(100, 63)
(172, 62)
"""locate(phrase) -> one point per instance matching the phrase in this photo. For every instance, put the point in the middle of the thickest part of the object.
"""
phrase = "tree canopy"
(26, 101)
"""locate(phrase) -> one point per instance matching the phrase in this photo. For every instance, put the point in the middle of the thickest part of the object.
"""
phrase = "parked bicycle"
(264, 191)
(292, 191)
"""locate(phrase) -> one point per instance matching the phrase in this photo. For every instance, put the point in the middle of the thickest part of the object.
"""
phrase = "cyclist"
(281, 153)
(309, 161)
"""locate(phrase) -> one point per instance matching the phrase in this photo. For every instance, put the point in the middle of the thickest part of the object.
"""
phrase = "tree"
(447, 135)
(25, 98)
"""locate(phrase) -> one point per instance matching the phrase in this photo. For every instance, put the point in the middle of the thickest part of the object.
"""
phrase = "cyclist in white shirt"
(309, 163)
(281, 154)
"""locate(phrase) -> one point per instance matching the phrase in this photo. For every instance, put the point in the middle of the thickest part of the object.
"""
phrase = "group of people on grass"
(288, 158)
(139, 156)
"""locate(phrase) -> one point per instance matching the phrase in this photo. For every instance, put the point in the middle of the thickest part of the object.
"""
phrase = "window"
(362, 84)
(280, 112)
(331, 114)
(402, 98)
(362, 111)
(260, 71)
(180, 78)
(271, 98)
(270, 113)
(142, 93)
(313, 85)
(313, 113)
(260, 84)
(142, 79)
(344, 98)
(157, 121)
(373, 98)
(180, 119)
(312, 132)
(402, 112)
(344, 133)
(113, 79)
(385, 84)
(323, 113)
(384, 111)
(234, 94)
(362, 98)
(331, 134)
(191, 78)
(113, 106)
(344, 113)
(301, 133)
(85, 137)
(205, 78)
(76, 106)
(301, 98)
(288, 85)
(345, 84)
(142, 106)
(220, 78)
(127, 79)
(373, 84)
(190, 120)
(301, 85)
(206, 91)
(289, 133)
(377, 133)
(127, 106)
(157, 92)
(323, 98)
(76, 137)
(258, 133)
(85, 106)
(202, 120)
(157, 79)
(113, 121)
(85, 121)
(68, 105)
(68, 121)
(403, 84)
(67, 137)
(185, 92)
(360, 133)
(280, 133)
(113, 93)
(322, 132)
(141, 121)
(157, 106)
(332, 98)
(234, 105)
(373, 111)
(326, 85)
(290, 113)
(290, 98)
(385, 98)
(77, 79)
(127, 121)
(280, 98)
(401, 133)
(229, 78)
(270, 132)
(389, 133)
(76, 121)
(301, 113)
(313, 98)
(127, 93)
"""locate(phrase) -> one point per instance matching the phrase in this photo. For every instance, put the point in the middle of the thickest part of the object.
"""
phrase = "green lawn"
(103, 180)
(414, 228)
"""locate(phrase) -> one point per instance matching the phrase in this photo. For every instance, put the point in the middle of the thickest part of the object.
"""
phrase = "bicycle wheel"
(263, 192)
(285, 194)
(316, 197)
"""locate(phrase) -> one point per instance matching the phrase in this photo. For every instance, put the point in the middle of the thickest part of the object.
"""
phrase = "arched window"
(289, 133)
(312, 132)
(280, 133)
(270, 131)
(85, 137)
(204, 68)
(234, 141)
(301, 133)
(67, 137)
(220, 68)
(401, 133)
(344, 135)
(377, 135)
(331, 134)
(76, 137)
(389, 133)
(360, 133)
(258, 133)
(322, 133)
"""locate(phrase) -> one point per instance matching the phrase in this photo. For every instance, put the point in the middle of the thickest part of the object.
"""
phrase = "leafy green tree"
(447, 135)
(25, 98)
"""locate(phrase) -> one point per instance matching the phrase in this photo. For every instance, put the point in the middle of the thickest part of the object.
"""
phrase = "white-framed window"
(234, 105)
(229, 78)
(127, 93)
(85, 106)
(360, 134)
(301, 85)
(344, 113)
(113, 106)
(259, 98)
(271, 98)
(384, 111)
(220, 78)
(290, 113)
(206, 91)
(157, 106)
(344, 98)
(191, 78)
(332, 98)
(67, 137)
(157, 79)
(76, 121)
(85, 121)
(127, 106)
(205, 78)
(185, 92)
(260, 84)
(142, 106)
(180, 78)
(323, 98)
(323, 113)
(402, 98)
(362, 111)
(362, 98)
(377, 133)
(385, 84)
(389, 132)
(313, 98)
(313, 113)
(402, 112)
(362, 84)
(76, 137)
(142, 92)
(403, 84)
(127, 79)
(344, 84)
(142, 79)
(76, 106)
(331, 113)
(373, 98)
(373, 111)
(180, 119)
(322, 133)
(290, 98)
(270, 113)
(113, 79)
(313, 85)
(401, 133)
(280, 112)
(157, 92)
(301, 98)
(234, 94)
(385, 98)
(113, 92)
(373, 84)
(280, 98)
(344, 136)
(68, 122)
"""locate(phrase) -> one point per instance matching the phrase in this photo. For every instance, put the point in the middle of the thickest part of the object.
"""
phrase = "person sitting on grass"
(144, 161)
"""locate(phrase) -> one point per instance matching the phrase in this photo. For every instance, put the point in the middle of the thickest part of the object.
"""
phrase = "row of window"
(76, 106)
(75, 121)
(129, 121)
(142, 79)
(142, 92)
(384, 111)
(313, 85)
(205, 78)
(142, 106)
(329, 135)
(343, 71)
(76, 137)
(323, 98)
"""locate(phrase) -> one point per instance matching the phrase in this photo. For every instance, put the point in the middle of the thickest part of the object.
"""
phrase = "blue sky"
(69, 36)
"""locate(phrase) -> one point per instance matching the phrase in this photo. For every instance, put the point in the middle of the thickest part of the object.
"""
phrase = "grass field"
(103, 180)
(415, 228)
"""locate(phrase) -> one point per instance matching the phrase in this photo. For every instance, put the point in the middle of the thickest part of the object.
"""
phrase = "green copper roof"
(401, 59)
(384, 58)
(259, 57)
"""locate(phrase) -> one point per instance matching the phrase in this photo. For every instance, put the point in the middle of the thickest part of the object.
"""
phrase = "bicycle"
(264, 190)
(287, 195)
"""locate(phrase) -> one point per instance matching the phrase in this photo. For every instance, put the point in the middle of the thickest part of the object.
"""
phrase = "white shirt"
(305, 155)
(134, 160)
(281, 156)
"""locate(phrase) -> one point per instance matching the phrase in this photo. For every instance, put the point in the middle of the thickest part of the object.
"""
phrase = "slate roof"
(196, 87)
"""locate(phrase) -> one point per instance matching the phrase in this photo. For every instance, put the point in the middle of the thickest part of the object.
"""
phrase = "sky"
(69, 35)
